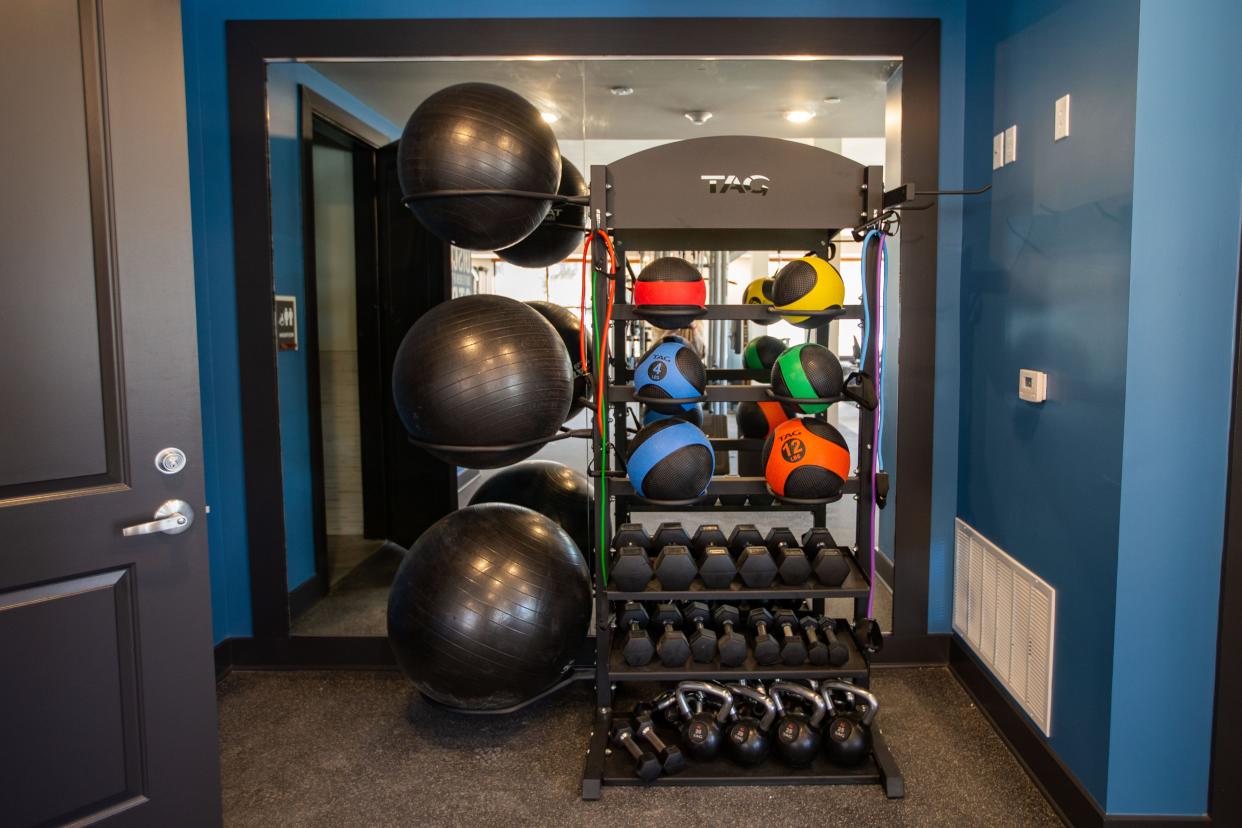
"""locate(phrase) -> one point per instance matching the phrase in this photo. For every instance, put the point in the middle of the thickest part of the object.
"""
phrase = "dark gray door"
(107, 706)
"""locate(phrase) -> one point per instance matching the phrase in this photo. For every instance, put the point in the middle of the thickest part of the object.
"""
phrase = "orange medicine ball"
(806, 459)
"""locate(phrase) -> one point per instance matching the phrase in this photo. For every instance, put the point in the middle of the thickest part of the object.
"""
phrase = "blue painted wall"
(1183, 294)
(1045, 284)
(284, 136)
(207, 108)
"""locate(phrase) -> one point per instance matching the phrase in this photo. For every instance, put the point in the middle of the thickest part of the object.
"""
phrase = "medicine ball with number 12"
(806, 459)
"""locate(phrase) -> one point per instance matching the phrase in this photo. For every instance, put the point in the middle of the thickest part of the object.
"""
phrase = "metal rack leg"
(593, 771)
(894, 783)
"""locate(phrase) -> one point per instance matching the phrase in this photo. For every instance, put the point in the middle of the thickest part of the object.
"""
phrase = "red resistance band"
(670, 293)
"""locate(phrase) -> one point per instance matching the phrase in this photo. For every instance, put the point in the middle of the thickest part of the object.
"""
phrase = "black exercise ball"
(568, 328)
(489, 607)
(482, 371)
(478, 136)
(551, 489)
(561, 232)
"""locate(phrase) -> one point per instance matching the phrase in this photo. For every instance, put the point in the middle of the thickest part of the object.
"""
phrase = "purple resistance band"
(877, 338)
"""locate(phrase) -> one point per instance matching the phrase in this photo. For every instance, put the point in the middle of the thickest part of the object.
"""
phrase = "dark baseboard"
(306, 596)
(304, 653)
(1072, 802)
(224, 659)
(913, 651)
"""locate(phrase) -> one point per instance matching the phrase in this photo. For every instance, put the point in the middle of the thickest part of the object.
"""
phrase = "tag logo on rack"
(726, 183)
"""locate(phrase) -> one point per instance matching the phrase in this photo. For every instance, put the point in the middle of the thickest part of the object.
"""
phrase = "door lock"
(172, 518)
(170, 460)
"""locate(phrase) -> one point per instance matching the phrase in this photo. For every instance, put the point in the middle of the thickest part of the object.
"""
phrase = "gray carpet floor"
(352, 748)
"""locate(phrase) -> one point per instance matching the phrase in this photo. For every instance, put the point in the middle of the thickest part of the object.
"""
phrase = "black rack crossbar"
(555, 197)
(719, 393)
(580, 433)
(722, 485)
(751, 313)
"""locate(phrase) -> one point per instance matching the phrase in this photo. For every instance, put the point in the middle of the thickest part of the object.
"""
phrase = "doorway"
(334, 557)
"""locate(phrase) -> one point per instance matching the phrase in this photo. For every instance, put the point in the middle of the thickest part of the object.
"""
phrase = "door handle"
(172, 518)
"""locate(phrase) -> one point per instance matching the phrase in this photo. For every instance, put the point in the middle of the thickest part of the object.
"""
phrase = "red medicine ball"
(672, 291)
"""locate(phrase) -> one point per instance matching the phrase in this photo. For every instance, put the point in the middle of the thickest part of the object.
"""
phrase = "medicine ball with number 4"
(806, 459)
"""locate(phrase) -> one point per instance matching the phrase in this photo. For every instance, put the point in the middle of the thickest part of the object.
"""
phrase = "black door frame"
(1225, 795)
(325, 122)
(251, 44)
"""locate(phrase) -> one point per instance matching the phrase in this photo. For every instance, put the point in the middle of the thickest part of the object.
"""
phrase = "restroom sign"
(287, 323)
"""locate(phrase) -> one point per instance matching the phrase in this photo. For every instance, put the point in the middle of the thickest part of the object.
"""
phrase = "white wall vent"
(1007, 615)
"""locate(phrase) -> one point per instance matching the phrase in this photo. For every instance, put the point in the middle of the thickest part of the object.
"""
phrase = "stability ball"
(551, 489)
(482, 371)
(568, 328)
(561, 233)
(489, 607)
(478, 136)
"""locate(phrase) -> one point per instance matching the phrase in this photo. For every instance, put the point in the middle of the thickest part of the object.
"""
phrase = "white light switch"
(1011, 144)
(998, 150)
(1032, 385)
(1061, 119)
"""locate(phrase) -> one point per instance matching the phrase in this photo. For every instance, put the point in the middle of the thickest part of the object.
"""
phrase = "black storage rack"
(662, 199)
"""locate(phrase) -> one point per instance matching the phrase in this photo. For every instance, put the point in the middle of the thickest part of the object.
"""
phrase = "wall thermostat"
(1032, 385)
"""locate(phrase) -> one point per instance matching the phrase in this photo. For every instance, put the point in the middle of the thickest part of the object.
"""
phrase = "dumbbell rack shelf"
(854, 586)
(876, 769)
(649, 202)
(854, 668)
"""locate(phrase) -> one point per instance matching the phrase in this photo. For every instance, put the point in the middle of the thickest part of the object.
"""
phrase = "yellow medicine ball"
(759, 292)
(809, 284)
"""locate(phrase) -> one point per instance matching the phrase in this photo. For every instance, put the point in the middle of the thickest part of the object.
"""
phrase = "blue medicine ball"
(670, 370)
(692, 415)
(670, 460)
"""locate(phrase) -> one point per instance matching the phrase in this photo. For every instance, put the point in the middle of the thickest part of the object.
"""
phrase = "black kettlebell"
(797, 735)
(700, 732)
(847, 736)
(747, 736)
(663, 705)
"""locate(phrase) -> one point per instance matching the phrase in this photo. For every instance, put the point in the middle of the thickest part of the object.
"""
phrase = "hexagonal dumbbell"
(756, 567)
(646, 766)
(708, 534)
(816, 648)
(669, 533)
(730, 644)
(637, 649)
(767, 650)
(838, 652)
(793, 651)
(742, 536)
(703, 639)
(630, 568)
(716, 567)
(791, 562)
(671, 759)
(675, 568)
(631, 534)
(672, 648)
(827, 561)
